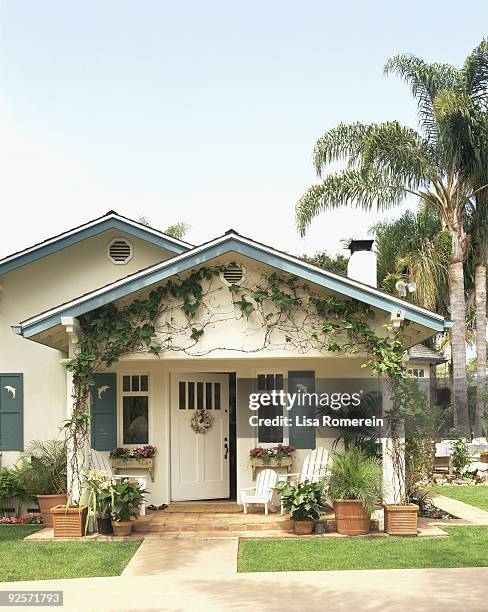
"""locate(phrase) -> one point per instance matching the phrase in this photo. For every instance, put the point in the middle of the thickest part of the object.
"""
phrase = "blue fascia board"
(89, 232)
(234, 245)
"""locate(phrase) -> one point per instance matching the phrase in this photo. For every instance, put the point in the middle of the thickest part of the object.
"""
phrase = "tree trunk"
(480, 313)
(458, 316)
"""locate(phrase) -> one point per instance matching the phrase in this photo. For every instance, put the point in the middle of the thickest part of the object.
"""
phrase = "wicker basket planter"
(69, 522)
(256, 464)
(401, 520)
(47, 503)
(351, 517)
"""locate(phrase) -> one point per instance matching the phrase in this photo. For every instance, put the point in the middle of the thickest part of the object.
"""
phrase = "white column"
(393, 487)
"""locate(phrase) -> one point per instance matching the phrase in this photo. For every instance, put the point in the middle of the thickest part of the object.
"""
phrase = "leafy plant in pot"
(353, 482)
(304, 503)
(42, 471)
(100, 495)
(126, 496)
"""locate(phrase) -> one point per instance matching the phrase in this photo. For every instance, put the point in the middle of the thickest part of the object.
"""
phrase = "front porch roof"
(231, 243)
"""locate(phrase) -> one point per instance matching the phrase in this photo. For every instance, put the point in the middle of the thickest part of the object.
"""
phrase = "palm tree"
(386, 162)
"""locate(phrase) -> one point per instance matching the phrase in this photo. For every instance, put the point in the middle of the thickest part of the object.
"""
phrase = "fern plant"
(354, 475)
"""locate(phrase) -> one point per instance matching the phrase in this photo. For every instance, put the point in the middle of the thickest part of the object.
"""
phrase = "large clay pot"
(351, 517)
(401, 520)
(47, 503)
(122, 528)
(303, 527)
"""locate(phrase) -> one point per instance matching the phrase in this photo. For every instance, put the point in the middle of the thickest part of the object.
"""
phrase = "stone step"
(204, 508)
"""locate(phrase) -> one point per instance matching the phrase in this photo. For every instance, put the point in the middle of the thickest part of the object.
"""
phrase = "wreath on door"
(201, 421)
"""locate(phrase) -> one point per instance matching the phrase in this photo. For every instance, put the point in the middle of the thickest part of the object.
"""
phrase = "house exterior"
(151, 399)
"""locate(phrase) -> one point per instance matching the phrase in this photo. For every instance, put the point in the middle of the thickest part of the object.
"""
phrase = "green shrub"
(303, 500)
(42, 468)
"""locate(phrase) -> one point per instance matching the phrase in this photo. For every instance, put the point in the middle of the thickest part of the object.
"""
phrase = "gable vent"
(120, 251)
(233, 274)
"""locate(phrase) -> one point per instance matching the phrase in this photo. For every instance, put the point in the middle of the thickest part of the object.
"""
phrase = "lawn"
(475, 495)
(465, 547)
(21, 560)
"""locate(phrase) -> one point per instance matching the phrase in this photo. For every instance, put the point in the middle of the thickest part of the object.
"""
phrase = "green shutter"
(11, 412)
(104, 412)
(302, 437)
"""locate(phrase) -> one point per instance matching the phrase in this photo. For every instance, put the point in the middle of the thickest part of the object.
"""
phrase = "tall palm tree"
(386, 162)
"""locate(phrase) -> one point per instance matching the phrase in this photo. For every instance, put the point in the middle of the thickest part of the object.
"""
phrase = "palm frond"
(475, 73)
(344, 142)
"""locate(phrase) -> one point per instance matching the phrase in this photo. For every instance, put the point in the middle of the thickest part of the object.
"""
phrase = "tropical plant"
(354, 475)
(100, 494)
(12, 490)
(302, 500)
(42, 468)
(460, 457)
(439, 165)
(126, 496)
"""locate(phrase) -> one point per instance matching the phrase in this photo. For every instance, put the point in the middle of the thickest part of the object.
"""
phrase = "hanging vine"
(280, 311)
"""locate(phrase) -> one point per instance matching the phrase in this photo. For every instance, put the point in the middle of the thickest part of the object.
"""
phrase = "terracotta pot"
(351, 517)
(69, 522)
(104, 526)
(122, 528)
(303, 527)
(47, 503)
(484, 458)
(401, 520)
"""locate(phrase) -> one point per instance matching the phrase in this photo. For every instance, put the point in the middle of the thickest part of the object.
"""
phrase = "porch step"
(215, 507)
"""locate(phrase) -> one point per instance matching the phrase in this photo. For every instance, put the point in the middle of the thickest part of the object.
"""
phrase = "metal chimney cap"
(361, 245)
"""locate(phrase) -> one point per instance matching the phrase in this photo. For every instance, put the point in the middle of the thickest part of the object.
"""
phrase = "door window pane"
(135, 420)
(182, 395)
(199, 395)
(191, 395)
(217, 396)
(208, 396)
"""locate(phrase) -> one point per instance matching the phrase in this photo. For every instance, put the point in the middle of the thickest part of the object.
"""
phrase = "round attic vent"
(233, 274)
(120, 251)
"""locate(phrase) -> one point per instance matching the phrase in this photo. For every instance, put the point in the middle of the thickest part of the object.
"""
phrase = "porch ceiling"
(46, 327)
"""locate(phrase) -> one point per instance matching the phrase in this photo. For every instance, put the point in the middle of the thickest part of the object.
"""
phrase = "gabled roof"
(231, 242)
(420, 352)
(111, 220)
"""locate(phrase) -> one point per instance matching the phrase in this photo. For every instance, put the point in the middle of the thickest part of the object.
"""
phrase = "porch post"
(72, 328)
(393, 487)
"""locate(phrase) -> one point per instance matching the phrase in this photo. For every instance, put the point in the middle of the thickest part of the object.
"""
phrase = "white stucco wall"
(39, 286)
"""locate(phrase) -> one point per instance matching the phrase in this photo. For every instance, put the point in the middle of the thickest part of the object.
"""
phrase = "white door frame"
(205, 473)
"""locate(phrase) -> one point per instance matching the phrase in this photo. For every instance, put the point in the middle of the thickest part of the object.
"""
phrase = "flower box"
(133, 463)
(257, 463)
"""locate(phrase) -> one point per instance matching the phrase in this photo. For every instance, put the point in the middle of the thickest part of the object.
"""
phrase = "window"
(135, 409)
(416, 372)
(271, 434)
(120, 251)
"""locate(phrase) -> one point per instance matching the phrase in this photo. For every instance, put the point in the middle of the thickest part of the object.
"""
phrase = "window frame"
(120, 407)
(286, 435)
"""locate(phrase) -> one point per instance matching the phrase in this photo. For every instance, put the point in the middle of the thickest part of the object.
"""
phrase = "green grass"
(21, 560)
(465, 547)
(475, 495)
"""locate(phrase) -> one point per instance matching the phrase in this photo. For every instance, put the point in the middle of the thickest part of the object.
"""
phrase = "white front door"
(199, 461)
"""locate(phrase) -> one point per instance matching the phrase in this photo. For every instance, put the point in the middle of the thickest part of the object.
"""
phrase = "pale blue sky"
(205, 112)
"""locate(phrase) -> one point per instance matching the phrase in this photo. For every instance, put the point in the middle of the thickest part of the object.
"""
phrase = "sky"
(202, 112)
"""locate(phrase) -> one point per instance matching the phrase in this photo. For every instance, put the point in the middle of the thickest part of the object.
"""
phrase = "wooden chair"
(263, 491)
(98, 462)
(314, 468)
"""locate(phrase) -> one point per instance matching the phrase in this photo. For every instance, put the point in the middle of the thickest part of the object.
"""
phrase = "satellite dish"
(401, 287)
(412, 287)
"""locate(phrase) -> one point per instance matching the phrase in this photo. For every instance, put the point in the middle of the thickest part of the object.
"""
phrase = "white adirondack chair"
(98, 462)
(262, 492)
(314, 468)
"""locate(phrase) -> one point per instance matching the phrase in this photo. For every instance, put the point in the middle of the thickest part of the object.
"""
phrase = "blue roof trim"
(253, 251)
(88, 232)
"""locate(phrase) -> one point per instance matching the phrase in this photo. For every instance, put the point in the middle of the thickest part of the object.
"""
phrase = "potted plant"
(141, 457)
(100, 494)
(304, 503)
(353, 482)
(42, 470)
(126, 497)
(276, 456)
(484, 456)
(69, 521)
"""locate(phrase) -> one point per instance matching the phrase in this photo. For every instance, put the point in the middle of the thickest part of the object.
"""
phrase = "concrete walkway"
(433, 590)
(469, 515)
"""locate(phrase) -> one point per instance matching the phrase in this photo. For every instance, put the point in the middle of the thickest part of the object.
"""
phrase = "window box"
(134, 463)
(257, 463)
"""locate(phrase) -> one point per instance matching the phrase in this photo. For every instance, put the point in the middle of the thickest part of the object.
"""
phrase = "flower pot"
(304, 527)
(351, 517)
(104, 526)
(484, 458)
(122, 528)
(401, 520)
(47, 503)
(69, 522)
